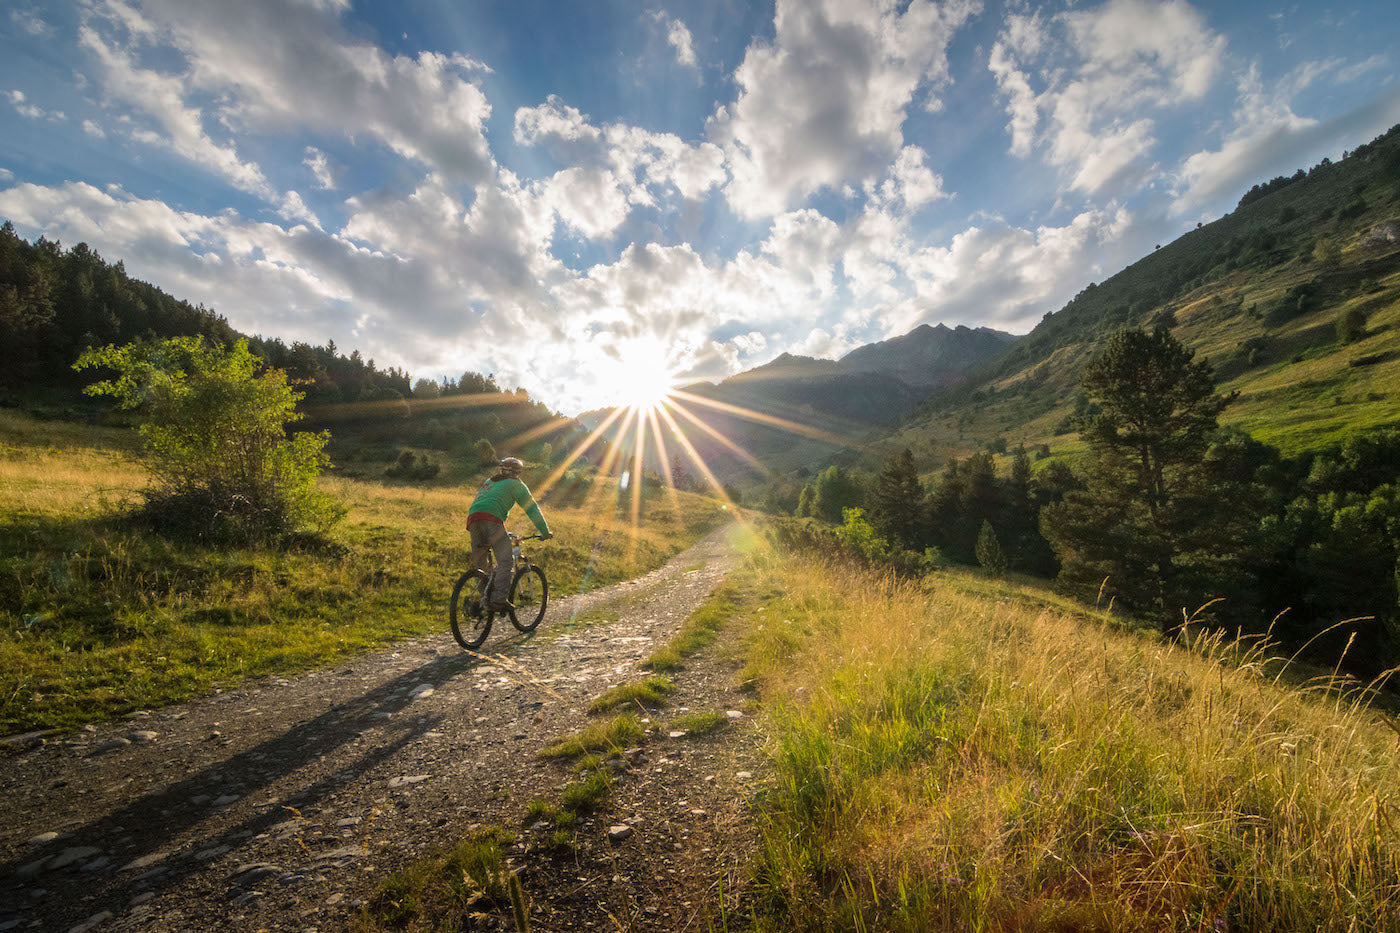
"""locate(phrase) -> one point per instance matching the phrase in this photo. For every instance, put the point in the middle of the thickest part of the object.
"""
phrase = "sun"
(644, 377)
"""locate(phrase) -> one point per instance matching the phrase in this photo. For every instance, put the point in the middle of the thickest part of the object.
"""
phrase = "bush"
(215, 439)
(854, 538)
(407, 466)
(1351, 326)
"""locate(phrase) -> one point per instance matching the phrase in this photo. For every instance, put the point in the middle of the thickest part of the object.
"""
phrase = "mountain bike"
(470, 612)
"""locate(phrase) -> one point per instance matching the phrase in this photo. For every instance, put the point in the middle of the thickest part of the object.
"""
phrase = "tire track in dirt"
(281, 805)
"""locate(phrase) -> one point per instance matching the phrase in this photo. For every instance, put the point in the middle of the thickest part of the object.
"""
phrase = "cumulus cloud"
(273, 67)
(825, 103)
(180, 126)
(1100, 73)
(910, 183)
(93, 129)
(612, 168)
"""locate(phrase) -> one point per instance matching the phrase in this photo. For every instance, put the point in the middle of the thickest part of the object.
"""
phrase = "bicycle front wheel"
(471, 620)
(529, 592)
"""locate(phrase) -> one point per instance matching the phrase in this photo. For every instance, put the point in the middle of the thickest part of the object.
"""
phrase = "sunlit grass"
(449, 889)
(951, 759)
(610, 735)
(647, 693)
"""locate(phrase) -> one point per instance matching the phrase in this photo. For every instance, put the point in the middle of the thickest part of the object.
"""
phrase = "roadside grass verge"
(448, 889)
(99, 617)
(946, 760)
(730, 598)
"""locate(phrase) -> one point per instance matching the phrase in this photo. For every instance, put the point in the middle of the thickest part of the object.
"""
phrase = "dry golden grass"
(950, 759)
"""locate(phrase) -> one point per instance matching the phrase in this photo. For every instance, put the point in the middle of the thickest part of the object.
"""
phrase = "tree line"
(56, 303)
(1170, 517)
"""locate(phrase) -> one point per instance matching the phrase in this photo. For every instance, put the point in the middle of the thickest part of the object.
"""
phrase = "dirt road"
(282, 805)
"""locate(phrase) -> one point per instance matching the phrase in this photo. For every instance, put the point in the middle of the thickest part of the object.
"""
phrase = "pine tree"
(989, 552)
(1149, 519)
(897, 510)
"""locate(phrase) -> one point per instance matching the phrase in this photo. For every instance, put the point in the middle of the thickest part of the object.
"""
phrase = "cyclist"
(486, 523)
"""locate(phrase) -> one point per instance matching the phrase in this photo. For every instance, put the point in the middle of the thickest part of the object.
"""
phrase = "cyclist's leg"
(505, 565)
(480, 533)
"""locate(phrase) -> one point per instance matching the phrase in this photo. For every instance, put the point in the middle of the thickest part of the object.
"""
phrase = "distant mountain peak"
(929, 355)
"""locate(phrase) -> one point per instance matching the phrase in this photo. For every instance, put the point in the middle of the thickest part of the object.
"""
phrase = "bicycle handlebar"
(524, 537)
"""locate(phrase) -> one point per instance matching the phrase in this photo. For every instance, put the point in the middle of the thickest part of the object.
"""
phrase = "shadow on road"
(136, 836)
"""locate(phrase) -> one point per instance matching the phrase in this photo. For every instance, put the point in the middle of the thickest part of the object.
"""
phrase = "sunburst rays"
(628, 455)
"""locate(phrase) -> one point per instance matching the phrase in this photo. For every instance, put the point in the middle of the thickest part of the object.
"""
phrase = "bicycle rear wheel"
(470, 619)
(529, 593)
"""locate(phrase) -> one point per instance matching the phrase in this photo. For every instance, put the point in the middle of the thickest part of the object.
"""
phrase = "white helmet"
(512, 466)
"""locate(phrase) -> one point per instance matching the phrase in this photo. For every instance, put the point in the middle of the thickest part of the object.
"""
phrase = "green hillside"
(1294, 297)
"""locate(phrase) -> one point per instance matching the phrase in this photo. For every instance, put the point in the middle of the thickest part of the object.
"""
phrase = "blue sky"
(566, 194)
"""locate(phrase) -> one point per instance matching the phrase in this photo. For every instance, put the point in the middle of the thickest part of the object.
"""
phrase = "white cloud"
(824, 105)
(32, 111)
(320, 165)
(294, 209)
(273, 68)
(612, 168)
(31, 22)
(1267, 139)
(181, 127)
(93, 129)
(910, 182)
(6, 174)
(1101, 73)
(1363, 67)
(589, 200)
(678, 35)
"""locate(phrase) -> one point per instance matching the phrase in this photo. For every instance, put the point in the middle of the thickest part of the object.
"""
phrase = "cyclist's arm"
(532, 510)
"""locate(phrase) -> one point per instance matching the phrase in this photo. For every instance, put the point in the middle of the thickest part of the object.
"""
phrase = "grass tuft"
(699, 723)
(612, 735)
(646, 694)
(447, 889)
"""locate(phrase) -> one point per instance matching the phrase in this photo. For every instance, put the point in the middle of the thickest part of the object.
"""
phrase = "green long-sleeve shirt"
(497, 496)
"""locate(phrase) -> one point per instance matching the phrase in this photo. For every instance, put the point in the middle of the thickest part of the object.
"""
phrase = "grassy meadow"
(98, 618)
(961, 754)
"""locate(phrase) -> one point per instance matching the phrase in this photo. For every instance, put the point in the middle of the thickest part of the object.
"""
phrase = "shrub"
(1351, 325)
(214, 430)
(408, 466)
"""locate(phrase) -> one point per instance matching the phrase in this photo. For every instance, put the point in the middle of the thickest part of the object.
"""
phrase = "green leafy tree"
(214, 430)
(897, 506)
(835, 491)
(1148, 520)
(485, 452)
(804, 501)
(859, 537)
(989, 552)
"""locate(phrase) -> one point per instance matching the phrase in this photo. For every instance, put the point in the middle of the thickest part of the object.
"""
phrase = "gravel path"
(282, 805)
